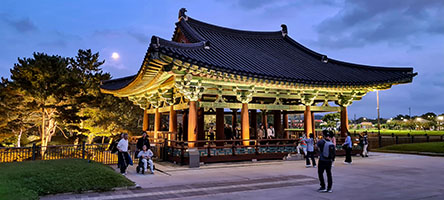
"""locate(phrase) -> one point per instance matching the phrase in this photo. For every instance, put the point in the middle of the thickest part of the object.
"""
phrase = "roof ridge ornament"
(206, 44)
(324, 59)
(284, 30)
(182, 14)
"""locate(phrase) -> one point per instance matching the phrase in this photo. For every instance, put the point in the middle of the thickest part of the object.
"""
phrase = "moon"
(115, 55)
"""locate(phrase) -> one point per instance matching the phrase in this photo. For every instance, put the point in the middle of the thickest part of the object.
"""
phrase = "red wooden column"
(344, 121)
(245, 124)
(200, 125)
(285, 124)
(220, 125)
(173, 123)
(264, 120)
(277, 123)
(308, 121)
(253, 115)
(157, 119)
(192, 123)
(145, 120)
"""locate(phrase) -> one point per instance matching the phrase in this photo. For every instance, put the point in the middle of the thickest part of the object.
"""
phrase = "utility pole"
(410, 112)
(377, 108)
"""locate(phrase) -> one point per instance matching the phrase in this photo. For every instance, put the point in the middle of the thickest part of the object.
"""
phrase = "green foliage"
(53, 95)
(31, 179)
(331, 119)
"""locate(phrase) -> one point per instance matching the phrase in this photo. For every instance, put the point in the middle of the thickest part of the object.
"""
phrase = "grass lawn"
(31, 179)
(433, 147)
(399, 132)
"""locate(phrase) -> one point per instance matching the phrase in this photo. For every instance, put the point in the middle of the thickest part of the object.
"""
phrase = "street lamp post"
(377, 108)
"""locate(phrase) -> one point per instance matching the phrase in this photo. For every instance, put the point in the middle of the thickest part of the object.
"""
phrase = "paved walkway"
(381, 176)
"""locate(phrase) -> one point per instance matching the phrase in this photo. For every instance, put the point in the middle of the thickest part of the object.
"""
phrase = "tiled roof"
(115, 84)
(269, 55)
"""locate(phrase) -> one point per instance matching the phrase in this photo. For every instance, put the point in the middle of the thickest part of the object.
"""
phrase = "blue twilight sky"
(376, 32)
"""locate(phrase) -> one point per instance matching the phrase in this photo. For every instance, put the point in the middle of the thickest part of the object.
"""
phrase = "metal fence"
(382, 141)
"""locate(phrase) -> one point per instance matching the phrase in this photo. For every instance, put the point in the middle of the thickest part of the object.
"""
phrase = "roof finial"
(284, 30)
(182, 14)
(324, 59)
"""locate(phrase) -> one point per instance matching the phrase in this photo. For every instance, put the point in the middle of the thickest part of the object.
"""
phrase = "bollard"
(194, 157)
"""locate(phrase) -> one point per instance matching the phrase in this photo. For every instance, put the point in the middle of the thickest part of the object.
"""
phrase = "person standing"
(144, 140)
(310, 151)
(228, 132)
(327, 152)
(365, 143)
(348, 148)
(261, 132)
(123, 156)
(211, 133)
(302, 145)
(270, 132)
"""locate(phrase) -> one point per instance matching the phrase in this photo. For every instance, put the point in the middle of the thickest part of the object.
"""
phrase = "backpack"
(329, 150)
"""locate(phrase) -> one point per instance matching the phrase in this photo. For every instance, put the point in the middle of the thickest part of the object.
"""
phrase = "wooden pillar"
(264, 120)
(308, 121)
(220, 124)
(253, 114)
(173, 124)
(285, 124)
(344, 121)
(313, 123)
(145, 120)
(245, 124)
(185, 125)
(157, 119)
(277, 123)
(200, 125)
(192, 123)
(234, 121)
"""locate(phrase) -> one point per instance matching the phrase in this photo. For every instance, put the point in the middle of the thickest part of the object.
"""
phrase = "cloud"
(361, 22)
(23, 25)
(140, 37)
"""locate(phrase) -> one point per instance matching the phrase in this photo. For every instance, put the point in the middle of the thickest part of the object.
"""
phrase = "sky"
(405, 33)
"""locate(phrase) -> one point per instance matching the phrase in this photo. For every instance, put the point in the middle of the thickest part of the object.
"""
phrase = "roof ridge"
(158, 41)
(230, 30)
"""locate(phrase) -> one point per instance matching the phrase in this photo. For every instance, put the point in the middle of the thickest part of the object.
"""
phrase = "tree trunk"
(19, 138)
(43, 138)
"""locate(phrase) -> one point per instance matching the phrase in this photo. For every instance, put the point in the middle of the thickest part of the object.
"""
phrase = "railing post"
(380, 141)
(182, 153)
(441, 138)
(83, 150)
(427, 138)
(413, 138)
(397, 142)
(33, 151)
(165, 150)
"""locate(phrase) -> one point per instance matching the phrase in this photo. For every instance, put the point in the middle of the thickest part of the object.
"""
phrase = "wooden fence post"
(427, 138)
(33, 151)
(397, 142)
(413, 138)
(83, 150)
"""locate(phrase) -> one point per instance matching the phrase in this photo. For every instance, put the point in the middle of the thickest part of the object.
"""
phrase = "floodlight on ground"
(440, 118)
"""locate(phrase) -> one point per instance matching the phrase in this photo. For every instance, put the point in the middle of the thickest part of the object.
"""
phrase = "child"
(146, 155)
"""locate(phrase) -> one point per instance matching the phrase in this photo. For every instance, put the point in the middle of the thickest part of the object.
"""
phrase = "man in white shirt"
(145, 155)
(123, 156)
(270, 132)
